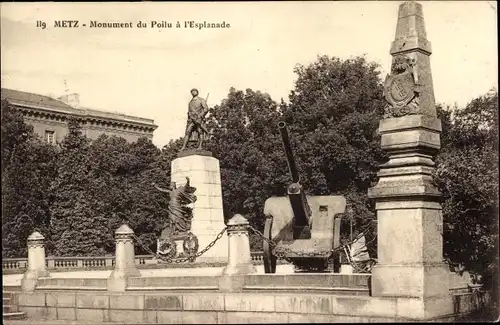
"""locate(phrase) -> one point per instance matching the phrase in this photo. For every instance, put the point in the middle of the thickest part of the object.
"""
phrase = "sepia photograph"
(249, 162)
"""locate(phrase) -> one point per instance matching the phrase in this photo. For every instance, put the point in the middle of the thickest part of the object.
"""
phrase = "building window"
(50, 136)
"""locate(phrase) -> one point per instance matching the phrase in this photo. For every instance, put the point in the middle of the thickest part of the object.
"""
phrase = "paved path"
(15, 279)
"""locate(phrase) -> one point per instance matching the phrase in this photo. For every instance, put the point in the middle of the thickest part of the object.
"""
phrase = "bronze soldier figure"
(198, 108)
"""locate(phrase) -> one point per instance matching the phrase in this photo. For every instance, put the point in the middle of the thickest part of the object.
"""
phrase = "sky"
(148, 72)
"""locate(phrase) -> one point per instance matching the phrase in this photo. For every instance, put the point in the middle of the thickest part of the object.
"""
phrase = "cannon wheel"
(269, 258)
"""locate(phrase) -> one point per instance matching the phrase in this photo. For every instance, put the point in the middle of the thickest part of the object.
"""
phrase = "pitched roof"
(25, 98)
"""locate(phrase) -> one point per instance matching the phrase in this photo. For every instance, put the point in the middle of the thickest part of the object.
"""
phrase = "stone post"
(240, 259)
(36, 262)
(124, 260)
(410, 245)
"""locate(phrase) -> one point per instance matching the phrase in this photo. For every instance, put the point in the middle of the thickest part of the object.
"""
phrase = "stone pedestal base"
(208, 217)
(118, 280)
(419, 280)
(410, 260)
(428, 308)
(179, 246)
(239, 269)
(30, 279)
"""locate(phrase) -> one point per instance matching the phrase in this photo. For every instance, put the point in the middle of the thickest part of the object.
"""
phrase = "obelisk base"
(208, 216)
(411, 280)
(410, 264)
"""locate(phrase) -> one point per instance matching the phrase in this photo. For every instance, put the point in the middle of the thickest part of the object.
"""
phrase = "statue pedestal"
(208, 217)
(410, 245)
(178, 242)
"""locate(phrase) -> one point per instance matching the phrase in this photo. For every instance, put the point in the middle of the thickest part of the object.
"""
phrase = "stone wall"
(130, 136)
(60, 129)
(277, 298)
(215, 307)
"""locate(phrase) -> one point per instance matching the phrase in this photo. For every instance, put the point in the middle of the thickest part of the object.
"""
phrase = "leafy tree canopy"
(467, 176)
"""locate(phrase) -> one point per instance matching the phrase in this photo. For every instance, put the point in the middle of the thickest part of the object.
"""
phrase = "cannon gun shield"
(325, 230)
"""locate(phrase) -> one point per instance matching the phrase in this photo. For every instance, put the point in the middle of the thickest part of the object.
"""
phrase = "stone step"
(7, 294)
(10, 291)
(14, 315)
(330, 290)
(11, 288)
(52, 322)
(8, 298)
(9, 308)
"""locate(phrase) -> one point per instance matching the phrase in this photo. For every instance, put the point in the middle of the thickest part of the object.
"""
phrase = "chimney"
(72, 99)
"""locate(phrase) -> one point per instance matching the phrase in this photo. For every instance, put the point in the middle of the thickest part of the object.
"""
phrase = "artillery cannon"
(305, 229)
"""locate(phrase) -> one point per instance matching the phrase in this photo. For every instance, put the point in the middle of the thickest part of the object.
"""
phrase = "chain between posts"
(281, 252)
(190, 258)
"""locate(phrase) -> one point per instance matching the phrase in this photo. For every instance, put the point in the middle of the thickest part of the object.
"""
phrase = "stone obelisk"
(410, 245)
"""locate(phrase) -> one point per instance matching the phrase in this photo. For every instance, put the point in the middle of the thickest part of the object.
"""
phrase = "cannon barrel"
(296, 195)
(292, 166)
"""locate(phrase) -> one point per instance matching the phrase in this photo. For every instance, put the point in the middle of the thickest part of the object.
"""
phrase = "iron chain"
(190, 258)
(281, 252)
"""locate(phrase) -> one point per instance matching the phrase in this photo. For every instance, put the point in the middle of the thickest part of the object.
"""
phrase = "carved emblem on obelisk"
(401, 88)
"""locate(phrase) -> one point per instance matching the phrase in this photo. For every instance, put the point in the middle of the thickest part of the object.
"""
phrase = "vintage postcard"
(249, 162)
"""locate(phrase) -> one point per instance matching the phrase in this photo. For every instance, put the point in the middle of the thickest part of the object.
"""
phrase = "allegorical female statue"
(179, 214)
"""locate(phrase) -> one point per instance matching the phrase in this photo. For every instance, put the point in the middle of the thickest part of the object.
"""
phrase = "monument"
(176, 239)
(410, 245)
(203, 173)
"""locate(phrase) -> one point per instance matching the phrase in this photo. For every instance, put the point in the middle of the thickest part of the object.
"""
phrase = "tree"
(28, 166)
(333, 114)
(14, 133)
(109, 159)
(148, 207)
(117, 179)
(245, 140)
(467, 175)
(75, 222)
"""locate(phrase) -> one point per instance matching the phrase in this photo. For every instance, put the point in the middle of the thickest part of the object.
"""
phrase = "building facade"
(49, 117)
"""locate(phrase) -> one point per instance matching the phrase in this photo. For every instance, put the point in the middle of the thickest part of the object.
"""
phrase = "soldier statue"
(196, 125)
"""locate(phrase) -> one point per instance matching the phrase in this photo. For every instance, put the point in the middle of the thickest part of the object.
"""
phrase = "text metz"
(66, 23)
